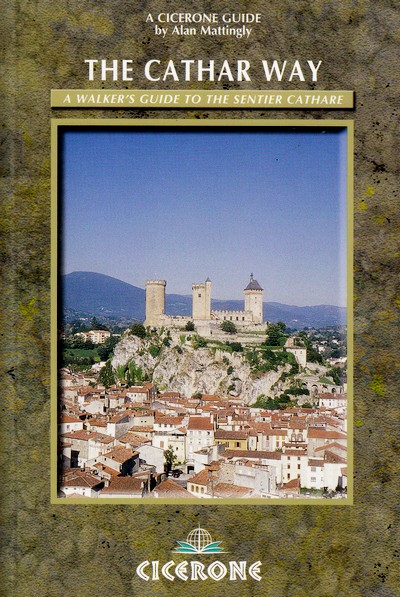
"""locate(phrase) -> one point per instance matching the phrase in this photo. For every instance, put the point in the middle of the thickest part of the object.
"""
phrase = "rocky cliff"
(176, 361)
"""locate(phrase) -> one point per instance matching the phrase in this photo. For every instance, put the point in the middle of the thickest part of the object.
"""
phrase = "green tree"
(106, 375)
(276, 334)
(120, 372)
(189, 326)
(229, 327)
(236, 346)
(336, 374)
(138, 330)
(154, 350)
(313, 356)
(170, 458)
(199, 342)
(96, 325)
(106, 350)
(78, 326)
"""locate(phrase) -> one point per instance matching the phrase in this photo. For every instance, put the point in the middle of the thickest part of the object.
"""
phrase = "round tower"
(155, 302)
(253, 299)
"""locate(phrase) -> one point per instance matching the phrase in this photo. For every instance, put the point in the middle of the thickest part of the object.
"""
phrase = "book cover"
(201, 88)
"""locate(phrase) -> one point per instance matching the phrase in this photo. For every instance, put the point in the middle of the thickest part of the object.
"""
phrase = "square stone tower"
(201, 301)
(253, 299)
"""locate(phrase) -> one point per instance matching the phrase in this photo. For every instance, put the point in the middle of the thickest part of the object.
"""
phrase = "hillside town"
(138, 442)
(219, 405)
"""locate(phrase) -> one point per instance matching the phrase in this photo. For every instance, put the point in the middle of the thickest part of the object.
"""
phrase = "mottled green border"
(58, 551)
(69, 122)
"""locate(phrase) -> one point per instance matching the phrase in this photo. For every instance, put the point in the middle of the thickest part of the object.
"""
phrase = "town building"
(95, 336)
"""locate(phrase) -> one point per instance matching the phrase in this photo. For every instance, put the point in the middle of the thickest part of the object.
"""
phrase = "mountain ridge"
(102, 295)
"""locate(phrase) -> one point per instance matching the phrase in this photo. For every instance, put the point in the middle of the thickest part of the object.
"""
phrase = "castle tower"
(201, 300)
(155, 301)
(253, 299)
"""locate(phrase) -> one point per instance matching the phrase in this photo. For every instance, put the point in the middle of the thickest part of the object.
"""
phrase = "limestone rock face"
(133, 348)
(182, 366)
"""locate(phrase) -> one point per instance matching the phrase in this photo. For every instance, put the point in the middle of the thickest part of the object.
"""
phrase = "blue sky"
(184, 204)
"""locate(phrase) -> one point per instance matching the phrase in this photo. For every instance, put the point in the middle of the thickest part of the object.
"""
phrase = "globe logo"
(199, 541)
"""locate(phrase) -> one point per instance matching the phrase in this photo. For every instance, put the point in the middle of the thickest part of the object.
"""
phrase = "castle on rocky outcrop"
(202, 314)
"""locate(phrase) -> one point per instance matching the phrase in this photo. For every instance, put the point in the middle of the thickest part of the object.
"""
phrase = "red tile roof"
(133, 439)
(168, 420)
(228, 434)
(324, 434)
(292, 484)
(315, 462)
(333, 458)
(169, 488)
(81, 434)
(124, 485)
(333, 445)
(252, 454)
(68, 419)
(119, 417)
(200, 423)
(229, 490)
(297, 424)
(80, 479)
(120, 454)
(201, 478)
(106, 469)
(298, 452)
(210, 398)
(94, 423)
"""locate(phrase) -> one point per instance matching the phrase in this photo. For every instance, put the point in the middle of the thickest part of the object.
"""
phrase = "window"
(298, 466)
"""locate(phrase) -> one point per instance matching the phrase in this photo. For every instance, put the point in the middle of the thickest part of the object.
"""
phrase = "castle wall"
(237, 317)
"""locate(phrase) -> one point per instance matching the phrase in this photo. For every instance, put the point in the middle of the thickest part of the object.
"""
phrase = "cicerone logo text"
(199, 542)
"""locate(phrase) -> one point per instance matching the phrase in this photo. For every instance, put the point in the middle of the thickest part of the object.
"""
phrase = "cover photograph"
(178, 396)
(200, 299)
